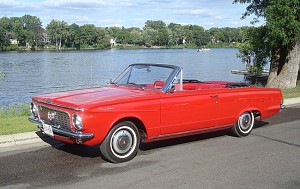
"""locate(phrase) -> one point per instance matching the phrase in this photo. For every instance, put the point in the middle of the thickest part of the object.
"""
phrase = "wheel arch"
(137, 122)
(256, 112)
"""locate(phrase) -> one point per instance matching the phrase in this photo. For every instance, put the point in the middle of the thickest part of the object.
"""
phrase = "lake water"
(31, 73)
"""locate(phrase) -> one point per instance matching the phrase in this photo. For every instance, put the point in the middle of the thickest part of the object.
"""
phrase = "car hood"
(84, 98)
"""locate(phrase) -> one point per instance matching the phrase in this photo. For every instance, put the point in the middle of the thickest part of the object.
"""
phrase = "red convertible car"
(150, 102)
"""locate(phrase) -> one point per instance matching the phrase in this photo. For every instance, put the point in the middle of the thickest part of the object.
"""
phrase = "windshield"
(145, 76)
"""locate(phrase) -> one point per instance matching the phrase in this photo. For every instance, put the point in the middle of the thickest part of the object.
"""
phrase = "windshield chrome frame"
(169, 81)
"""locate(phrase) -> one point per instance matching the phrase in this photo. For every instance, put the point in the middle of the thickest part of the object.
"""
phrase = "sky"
(130, 13)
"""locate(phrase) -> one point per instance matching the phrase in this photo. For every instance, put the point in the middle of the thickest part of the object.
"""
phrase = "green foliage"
(15, 110)
(156, 25)
(283, 22)
(254, 47)
(282, 29)
(27, 29)
(74, 36)
(13, 48)
(223, 45)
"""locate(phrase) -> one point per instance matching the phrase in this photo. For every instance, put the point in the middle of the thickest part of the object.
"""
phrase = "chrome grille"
(55, 118)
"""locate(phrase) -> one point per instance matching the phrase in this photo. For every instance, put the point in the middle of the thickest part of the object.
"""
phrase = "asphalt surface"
(268, 158)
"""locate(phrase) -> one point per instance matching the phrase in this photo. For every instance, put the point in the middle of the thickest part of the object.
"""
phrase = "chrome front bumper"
(61, 132)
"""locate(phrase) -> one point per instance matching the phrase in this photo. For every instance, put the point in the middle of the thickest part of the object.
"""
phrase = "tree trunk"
(59, 45)
(284, 67)
(56, 43)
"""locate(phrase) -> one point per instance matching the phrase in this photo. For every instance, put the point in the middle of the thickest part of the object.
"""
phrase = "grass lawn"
(292, 93)
(16, 124)
(14, 119)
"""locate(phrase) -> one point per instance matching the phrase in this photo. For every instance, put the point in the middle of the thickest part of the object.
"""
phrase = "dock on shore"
(253, 78)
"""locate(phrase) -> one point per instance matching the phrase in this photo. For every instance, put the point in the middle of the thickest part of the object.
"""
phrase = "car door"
(184, 111)
(230, 103)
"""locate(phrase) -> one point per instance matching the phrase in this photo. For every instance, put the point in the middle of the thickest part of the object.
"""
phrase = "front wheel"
(122, 143)
(244, 124)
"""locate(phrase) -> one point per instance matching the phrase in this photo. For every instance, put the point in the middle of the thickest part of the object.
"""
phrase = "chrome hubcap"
(123, 142)
(245, 122)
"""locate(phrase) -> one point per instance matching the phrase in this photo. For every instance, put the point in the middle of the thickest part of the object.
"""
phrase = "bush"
(13, 48)
(15, 110)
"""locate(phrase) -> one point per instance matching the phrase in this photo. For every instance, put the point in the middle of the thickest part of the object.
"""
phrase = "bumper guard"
(63, 132)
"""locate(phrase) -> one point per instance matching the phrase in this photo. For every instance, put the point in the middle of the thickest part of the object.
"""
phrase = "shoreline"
(129, 47)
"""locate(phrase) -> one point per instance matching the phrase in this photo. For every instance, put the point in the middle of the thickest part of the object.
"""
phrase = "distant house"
(112, 42)
(45, 38)
(14, 41)
(9, 37)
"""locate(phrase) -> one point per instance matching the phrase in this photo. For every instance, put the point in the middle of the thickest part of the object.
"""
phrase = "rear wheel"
(122, 142)
(244, 124)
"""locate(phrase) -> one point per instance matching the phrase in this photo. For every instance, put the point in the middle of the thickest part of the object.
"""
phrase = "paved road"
(268, 158)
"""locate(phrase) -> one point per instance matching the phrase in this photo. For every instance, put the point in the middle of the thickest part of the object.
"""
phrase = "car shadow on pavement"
(193, 138)
(75, 149)
(80, 150)
(93, 151)
(182, 140)
(260, 124)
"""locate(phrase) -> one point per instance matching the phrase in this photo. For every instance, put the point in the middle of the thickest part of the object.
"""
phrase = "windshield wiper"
(114, 83)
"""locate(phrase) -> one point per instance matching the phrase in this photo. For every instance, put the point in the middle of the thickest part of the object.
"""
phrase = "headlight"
(34, 110)
(77, 121)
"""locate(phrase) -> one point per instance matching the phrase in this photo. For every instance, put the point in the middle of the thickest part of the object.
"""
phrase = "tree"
(281, 38)
(3, 40)
(201, 37)
(155, 33)
(4, 27)
(74, 37)
(59, 32)
(156, 25)
(88, 34)
(136, 37)
(163, 37)
(150, 36)
(254, 47)
(121, 35)
(102, 39)
(18, 31)
(177, 34)
(6, 24)
(33, 26)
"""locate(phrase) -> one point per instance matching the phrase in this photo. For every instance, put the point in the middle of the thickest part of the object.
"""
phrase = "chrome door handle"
(214, 96)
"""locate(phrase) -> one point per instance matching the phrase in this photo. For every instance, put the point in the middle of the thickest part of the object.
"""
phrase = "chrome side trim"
(193, 132)
(58, 105)
(63, 132)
